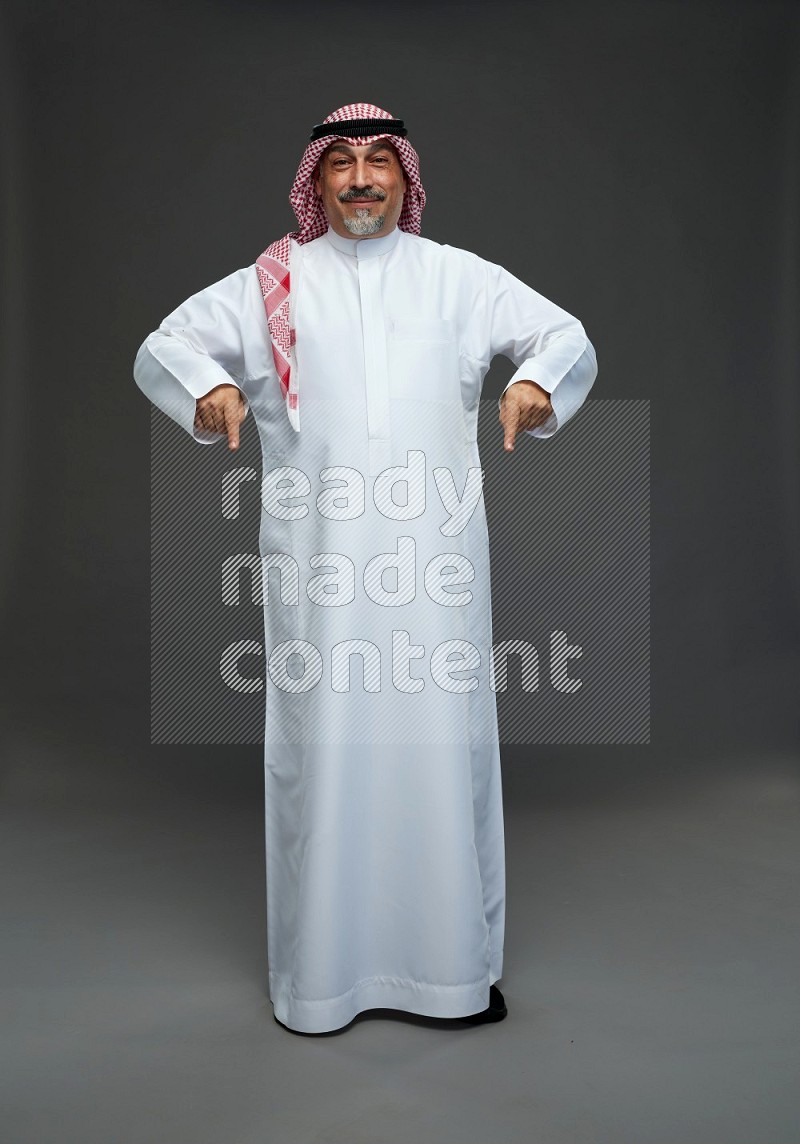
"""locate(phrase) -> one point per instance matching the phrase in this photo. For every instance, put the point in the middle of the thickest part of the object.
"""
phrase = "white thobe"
(384, 820)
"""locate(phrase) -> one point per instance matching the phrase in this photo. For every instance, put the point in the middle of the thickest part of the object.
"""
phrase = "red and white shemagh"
(272, 265)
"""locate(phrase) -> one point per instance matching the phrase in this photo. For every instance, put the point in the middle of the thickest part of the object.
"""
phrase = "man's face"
(361, 188)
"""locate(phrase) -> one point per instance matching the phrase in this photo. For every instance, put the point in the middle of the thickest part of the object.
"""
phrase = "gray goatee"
(364, 223)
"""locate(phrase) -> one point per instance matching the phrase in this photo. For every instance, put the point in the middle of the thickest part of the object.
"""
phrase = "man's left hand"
(524, 405)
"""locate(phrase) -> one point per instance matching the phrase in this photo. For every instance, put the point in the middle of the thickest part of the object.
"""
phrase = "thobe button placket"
(376, 366)
(368, 252)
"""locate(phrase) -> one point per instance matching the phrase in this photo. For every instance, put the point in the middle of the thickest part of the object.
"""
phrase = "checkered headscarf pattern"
(272, 264)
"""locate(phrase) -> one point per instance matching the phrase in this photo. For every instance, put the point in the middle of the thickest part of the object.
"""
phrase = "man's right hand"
(221, 410)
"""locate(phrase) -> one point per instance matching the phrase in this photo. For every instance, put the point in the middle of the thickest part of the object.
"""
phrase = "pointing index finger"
(511, 417)
(231, 414)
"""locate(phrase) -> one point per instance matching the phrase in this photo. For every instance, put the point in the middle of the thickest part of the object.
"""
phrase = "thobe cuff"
(176, 395)
(567, 393)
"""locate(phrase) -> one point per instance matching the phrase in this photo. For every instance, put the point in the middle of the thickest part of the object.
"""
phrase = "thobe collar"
(364, 247)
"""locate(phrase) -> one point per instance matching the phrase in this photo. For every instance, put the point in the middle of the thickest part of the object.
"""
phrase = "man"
(361, 348)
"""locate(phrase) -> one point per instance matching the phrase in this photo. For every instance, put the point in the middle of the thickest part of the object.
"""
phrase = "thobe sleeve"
(547, 344)
(196, 347)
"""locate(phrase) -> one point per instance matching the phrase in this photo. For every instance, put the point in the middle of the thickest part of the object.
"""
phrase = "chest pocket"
(423, 360)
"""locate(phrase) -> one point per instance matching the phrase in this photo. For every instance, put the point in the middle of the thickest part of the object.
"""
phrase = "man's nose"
(360, 176)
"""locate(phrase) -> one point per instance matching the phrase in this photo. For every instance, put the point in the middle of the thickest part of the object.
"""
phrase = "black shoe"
(496, 1012)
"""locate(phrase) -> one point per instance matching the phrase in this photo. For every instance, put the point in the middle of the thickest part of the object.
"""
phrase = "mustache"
(348, 196)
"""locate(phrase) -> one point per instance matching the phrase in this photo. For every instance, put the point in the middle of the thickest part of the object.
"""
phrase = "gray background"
(636, 163)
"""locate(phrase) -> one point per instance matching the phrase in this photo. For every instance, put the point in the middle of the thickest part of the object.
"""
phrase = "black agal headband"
(353, 128)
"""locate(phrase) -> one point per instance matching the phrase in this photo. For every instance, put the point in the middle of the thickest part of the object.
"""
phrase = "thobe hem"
(403, 994)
